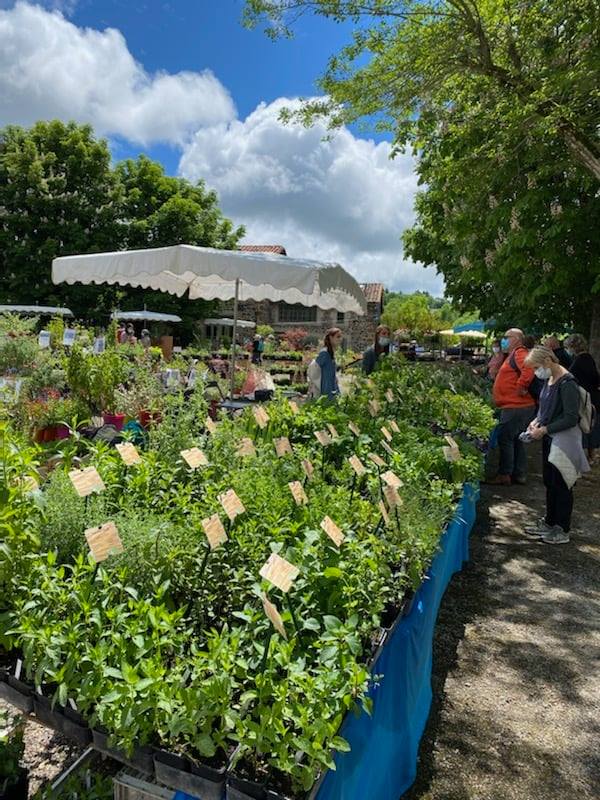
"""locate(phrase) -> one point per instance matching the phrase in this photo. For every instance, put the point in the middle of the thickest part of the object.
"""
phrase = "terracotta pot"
(38, 436)
(49, 433)
(118, 420)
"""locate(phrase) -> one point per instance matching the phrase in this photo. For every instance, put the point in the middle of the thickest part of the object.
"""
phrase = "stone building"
(359, 331)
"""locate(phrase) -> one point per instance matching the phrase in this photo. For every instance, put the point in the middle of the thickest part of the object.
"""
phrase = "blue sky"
(184, 82)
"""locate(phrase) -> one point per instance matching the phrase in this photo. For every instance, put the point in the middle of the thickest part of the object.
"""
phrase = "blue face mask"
(504, 343)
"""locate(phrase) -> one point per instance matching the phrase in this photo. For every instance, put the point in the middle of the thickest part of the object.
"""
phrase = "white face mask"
(383, 341)
(543, 373)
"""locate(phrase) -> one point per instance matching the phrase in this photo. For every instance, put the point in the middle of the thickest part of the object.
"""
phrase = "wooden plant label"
(273, 614)
(294, 406)
(389, 396)
(394, 426)
(261, 416)
(298, 493)
(374, 407)
(279, 572)
(357, 465)
(392, 496)
(214, 530)
(231, 503)
(391, 479)
(451, 441)
(246, 447)
(308, 468)
(86, 481)
(29, 484)
(384, 513)
(386, 433)
(354, 429)
(194, 457)
(210, 425)
(104, 541)
(283, 446)
(387, 448)
(332, 431)
(377, 460)
(332, 530)
(451, 453)
(128, 453)
(323, 438)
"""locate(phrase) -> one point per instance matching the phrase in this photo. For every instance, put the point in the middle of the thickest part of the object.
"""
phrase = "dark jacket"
(564, 359)
(583, 369)
(564, 413)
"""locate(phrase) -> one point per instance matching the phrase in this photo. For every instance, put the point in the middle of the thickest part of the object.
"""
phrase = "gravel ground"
(516, 710)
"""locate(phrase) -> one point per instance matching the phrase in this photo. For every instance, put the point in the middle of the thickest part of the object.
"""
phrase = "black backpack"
(536, 385)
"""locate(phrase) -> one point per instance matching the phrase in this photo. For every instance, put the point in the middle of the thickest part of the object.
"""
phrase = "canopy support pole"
(233, 336)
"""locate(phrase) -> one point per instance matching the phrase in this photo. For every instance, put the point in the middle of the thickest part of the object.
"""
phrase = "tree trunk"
(581, 152)
(595, 329)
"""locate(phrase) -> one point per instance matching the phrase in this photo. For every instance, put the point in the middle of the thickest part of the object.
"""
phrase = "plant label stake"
(298, 493)
(308, 469)
(194, 458)
(128, 453)
(354, 429)
(86, 481)
(210, 425)
(332, 530)
(387, 448)
(391, 479)
(394, 426)
(357, 465)
(294, 407)
(214, 530)
(246, 447)
(384, 514)
(103, 541)
(279, 572)
(374, 407)
(283, 447)
(231, 503)
(332, 431)
(261, 416)
(274, 616)
(389, 396)
(323, 438)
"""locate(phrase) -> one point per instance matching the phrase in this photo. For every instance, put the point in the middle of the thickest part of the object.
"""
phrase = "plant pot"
(147, 418)
(49, 433)
(118, 420)
(198, 780)
(243, 789)
(42, 708)
(69, 722)
(62, 432)
(38, 436)
(141, 758)
(16, 692)
(18, 790)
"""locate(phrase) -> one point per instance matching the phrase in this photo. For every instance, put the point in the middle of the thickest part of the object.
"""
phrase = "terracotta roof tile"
(263, 248)
(373, 292)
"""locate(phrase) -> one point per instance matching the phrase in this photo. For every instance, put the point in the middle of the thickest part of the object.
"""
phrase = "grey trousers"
(513, 455)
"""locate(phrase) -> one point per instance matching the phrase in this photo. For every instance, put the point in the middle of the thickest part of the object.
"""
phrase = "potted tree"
(14, 781)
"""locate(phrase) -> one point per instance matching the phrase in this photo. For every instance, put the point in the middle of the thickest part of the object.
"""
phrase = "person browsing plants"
(380, 347)
(563, 458)
(322, 371)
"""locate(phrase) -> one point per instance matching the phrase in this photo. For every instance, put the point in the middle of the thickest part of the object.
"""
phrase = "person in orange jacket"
(514, 396)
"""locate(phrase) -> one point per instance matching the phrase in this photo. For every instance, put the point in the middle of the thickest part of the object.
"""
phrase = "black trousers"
(559, 499)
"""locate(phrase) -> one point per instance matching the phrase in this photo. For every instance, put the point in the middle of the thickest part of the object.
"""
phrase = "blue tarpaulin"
(383, 761)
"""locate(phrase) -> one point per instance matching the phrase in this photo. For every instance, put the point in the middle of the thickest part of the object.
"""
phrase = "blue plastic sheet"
(383, 761)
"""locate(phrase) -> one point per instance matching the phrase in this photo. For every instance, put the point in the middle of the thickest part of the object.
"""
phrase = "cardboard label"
(357, 465)
(391, 495)
(451, 454)
(377, 460)
(332, 431)
(273, 614)
(386, 433)
(298, 493)
(104, 541)
(387, 448)
(354, 429)
(283, 446)
(323, 438)
(246, 447)
(86, 481)
(294, 406)
(394, 425)
(332, 530)
(384, 513)
(44, 339)
(194, 458)
(391, 479)
(308, 468)
(279, 572)
(374, 407)
(389, 396)
(232, 505)
(451, 441)
(261, 416)
(69, 336)
(214, 530)
(210, 425)
(128, 453)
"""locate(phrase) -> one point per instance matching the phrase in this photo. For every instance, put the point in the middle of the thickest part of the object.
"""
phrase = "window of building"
(341, 317)
(297, 313)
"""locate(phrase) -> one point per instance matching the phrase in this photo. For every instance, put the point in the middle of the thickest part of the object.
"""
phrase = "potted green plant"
(14, 780)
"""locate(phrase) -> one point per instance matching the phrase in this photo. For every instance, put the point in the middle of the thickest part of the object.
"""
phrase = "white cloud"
(51, 68)
(338, 200)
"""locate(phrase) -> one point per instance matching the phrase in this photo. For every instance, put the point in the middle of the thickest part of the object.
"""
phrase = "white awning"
(145, 316)
(241, 323)
(54, 310)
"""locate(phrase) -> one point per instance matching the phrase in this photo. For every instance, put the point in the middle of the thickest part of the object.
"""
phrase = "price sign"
(298, 493)
(104, 541)
(384, 513)
(451, 454)
(294, 406)
(194, 458)
(232, 505)
(279, 572)
(246, 447)
(69, 336)
(354, 429)
(332, 431)
(387, 448)
(357, 465)
(377, 460)
(210, 425)
(128, 453)
(332, 530)
(44, 339)
(389, 396)
(391, 495)
(214, 530)
(394, 425)
(374, 407)
(386, 433)
(391, 479)
(99, 345)
(308, 468)
(283, 446)
(323, 438)
(86, 481)
(273, 614)
(261, 417)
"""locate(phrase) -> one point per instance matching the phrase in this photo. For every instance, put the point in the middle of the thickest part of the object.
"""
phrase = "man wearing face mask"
(379, 348)
(517, 409)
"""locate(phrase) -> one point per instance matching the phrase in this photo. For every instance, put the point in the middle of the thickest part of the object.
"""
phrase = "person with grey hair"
(584, 370)
(553, 343)
(563, 459)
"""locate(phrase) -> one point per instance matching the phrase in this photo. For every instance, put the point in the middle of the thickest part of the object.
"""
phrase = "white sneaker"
(556, 536)
(539, 529)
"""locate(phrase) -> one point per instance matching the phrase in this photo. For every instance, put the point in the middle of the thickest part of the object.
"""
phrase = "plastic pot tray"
(198, 780)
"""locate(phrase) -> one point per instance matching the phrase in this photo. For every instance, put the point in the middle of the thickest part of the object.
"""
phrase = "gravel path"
(516, 681)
